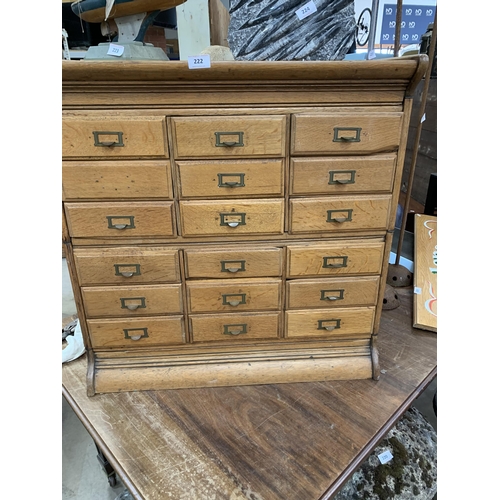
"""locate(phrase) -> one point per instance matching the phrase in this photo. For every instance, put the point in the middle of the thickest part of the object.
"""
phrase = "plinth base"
(131, 50)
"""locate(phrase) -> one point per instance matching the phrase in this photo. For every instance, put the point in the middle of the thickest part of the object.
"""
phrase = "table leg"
(108, 469)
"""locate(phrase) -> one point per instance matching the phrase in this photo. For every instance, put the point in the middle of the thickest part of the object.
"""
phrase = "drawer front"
(117, 136)
(113, 180)
(342, 213)
(217, 218)
(234, 327)
(334, 323)
(234, 262)
(228, 136)
(342, 175)
(332, 292)
(126, 265)
(345, 133)
(130, 301)
(136, 332)
(234, 296)
(334, 259)
(116, 219)
(230, 178)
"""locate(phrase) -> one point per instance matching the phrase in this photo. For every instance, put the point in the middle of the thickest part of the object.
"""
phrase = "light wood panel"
(342, 175)
(120, 219)
(334, 258)
(342, 213)
(425, 303)
(136, 332)
(345, 133)
(332, 292)
(234, 327)
(233, 262)
(230, 178)
(215, 218)
(234, 295)
(126, 265)
(116, 180)
(114, 136)
(115, 301)
(338, 322)
(229, 136)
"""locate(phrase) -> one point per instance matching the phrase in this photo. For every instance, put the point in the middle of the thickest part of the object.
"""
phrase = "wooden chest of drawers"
(231, 225)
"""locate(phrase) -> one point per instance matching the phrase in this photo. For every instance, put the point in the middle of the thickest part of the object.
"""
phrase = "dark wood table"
(267, 442)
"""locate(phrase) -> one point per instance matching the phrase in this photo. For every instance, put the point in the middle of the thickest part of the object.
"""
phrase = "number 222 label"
(195, 62)
(306, 10)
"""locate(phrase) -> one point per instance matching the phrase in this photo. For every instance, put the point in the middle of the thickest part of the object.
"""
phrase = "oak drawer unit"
(231, 225)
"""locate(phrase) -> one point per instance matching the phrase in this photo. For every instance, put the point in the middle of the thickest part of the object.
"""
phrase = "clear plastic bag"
(270, 30)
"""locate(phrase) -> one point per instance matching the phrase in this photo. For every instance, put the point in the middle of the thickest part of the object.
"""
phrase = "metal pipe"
(373, 29)
(397, 35)
(416, 143)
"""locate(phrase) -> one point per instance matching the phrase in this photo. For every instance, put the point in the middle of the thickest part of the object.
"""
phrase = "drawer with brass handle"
(116, 179)
(222, 218)
(234, 327)
(326, 323)
(137, 300)
(120, 219)
(332, 292)
(126, 265)
(342, 175)
(348, 257)
(114, 136)
(230, 178)
(136, 332)
(345, 133)
(227, 136)
(339, 213)
(234, 295)
(233, 262)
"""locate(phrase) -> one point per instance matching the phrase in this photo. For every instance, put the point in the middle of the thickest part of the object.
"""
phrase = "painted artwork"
(425, 273)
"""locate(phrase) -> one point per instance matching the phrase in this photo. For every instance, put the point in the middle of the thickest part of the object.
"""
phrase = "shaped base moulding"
(140, 373)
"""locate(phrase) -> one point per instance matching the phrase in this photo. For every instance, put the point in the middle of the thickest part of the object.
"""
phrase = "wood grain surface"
(266, 442)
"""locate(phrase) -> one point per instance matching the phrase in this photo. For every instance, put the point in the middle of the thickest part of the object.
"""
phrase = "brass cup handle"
(233, 224)
(340, 219)
(235, 332)
(330, 328)
(120, 226)
(109, 143)
(135, 337)
(348, 139)
(127, 274)
(132, 307)
(332, 297)
(234, 302)
(233, 269)
(230, 183)
(228, 143)
(342, 181)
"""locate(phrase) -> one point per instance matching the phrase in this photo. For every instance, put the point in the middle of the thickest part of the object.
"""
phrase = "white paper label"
(417, 290)
(115, 50)
(371, 55)
(385, 457)
(423, 119)
(198, 62)
(306, 10)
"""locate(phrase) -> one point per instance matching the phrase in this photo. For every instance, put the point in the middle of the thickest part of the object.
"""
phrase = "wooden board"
(425, 273)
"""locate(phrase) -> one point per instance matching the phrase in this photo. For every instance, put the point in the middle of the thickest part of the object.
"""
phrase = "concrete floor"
(83, 478)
